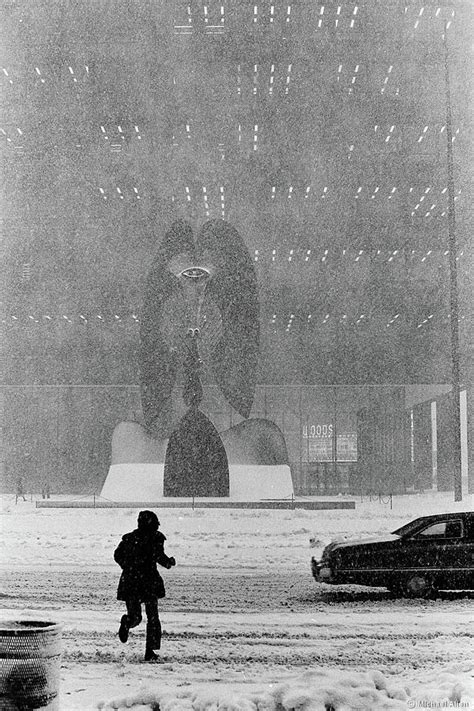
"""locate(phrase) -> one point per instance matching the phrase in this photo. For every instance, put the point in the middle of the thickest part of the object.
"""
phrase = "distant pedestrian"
(138, 554)
(20, 492)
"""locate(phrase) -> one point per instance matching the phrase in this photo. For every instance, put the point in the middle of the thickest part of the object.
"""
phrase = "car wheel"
(418, 585)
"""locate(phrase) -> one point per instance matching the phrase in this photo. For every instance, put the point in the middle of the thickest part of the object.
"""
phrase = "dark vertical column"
(455, 402)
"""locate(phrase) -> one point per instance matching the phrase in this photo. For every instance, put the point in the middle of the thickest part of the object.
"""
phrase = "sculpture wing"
(158, 359)
(233, 289)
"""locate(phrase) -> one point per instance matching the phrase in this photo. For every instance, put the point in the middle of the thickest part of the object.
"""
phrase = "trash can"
(30, 656)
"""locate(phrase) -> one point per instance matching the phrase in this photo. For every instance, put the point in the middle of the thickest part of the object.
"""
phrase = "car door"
(456, 556)
(438, 549)
(419, 550)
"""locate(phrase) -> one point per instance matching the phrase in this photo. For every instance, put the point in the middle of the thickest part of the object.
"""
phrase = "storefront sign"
(318, 444)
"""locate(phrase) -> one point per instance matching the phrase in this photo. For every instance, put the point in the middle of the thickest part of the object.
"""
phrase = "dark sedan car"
(428, 554)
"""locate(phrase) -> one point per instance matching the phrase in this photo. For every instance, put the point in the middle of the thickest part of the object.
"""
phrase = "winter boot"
(150, 656)
(123, 629)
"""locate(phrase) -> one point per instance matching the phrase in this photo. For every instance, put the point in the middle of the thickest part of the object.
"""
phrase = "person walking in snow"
(140, 582)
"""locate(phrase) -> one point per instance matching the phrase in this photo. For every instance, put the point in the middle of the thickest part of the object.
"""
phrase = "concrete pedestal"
(144, 482)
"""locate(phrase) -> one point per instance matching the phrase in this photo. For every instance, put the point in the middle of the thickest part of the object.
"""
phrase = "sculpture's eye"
(195, 273)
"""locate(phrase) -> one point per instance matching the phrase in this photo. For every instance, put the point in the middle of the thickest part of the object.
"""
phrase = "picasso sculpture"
(200, 314)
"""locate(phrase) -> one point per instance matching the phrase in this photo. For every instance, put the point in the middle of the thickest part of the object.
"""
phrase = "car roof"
(432, 518)
(451, 514)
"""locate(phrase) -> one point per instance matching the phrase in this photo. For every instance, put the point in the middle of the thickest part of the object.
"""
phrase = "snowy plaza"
(243, 620)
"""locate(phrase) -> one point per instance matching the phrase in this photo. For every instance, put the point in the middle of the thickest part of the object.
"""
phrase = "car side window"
(442, 529)
(454, 529)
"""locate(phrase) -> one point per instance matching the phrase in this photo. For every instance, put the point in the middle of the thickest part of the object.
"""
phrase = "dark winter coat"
(137, 554)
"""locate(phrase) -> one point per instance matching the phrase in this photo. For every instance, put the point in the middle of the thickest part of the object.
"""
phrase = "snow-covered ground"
(245, 625)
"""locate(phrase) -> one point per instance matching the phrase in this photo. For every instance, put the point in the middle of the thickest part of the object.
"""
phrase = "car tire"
(418, 585)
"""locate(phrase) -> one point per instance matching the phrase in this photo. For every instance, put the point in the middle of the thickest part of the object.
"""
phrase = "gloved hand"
(172, 562)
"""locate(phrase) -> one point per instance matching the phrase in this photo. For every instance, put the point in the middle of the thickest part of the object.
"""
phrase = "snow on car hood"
(353, 541)
(320, 545)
